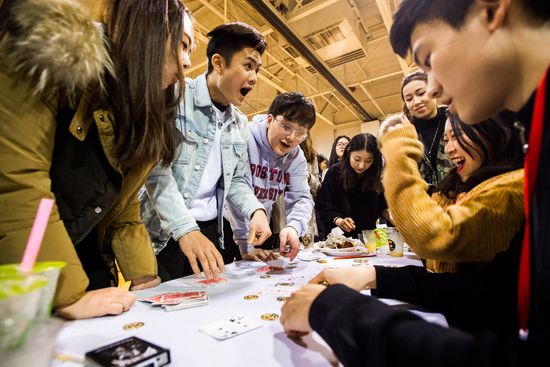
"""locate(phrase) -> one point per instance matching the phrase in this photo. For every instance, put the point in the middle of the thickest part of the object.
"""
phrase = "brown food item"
(344, 244)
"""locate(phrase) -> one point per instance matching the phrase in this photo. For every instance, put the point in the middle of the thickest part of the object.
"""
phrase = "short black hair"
(413, 12)
(293, 106)
(230, 38)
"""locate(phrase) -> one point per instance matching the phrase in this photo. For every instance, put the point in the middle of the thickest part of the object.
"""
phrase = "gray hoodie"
(272, 175)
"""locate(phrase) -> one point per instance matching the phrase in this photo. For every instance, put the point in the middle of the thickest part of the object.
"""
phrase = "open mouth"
(285, 145)
(245, 91)
(459, 162)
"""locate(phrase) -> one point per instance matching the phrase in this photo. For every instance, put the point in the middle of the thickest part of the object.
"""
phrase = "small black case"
(129, 352)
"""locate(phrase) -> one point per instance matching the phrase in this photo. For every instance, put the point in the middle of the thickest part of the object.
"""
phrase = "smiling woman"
(477, 209)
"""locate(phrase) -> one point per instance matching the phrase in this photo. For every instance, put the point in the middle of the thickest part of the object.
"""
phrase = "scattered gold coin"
(270, 316)
(322, 261)
(360, 260)
(355, 264)
(250, 297)
(283, 298)
(324, 282)
(284, 284)
(133, 325)
(265, 276)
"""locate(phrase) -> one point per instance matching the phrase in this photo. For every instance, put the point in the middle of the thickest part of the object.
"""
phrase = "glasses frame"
(289, 131)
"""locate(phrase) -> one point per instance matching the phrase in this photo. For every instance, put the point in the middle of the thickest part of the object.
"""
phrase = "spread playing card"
(129, 352)
(178, 300)
(229, 327)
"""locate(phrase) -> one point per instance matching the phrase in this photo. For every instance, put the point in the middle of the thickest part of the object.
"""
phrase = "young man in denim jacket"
(184, 202)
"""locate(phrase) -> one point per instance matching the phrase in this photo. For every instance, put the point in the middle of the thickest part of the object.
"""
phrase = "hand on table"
(260, 255)
(289, 236)
(356, 278)
(346, 224)
(197, 246)
(258, 230)
(100, 302)
(295, 311)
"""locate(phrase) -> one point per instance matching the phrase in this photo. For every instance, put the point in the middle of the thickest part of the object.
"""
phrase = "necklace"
(434, 139)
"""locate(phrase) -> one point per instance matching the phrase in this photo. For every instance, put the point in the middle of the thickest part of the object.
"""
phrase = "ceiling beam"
(280, 24)
(386, 13)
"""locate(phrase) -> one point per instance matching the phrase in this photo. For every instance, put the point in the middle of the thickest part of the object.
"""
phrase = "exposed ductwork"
(273, 17)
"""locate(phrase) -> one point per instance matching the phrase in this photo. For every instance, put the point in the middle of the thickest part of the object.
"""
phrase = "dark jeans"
(173, 264)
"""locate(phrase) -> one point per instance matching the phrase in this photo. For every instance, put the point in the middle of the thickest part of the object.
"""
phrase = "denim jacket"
(171, 189)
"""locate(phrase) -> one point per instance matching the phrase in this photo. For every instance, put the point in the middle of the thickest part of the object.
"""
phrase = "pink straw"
(37, 233)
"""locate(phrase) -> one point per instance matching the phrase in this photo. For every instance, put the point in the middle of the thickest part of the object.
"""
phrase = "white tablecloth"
(178, 330)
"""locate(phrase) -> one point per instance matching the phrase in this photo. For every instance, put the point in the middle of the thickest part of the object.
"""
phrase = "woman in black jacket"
(351, 194)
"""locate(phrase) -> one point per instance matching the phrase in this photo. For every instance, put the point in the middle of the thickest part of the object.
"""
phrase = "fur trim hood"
(55, 46)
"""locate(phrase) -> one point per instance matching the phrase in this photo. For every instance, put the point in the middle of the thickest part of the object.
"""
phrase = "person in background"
(351, 195)
(337, 151)
(76, 105)
(322, 162)
(482, 57)
(278, 168)
(429, 121)
(278, 214)
(183, 208)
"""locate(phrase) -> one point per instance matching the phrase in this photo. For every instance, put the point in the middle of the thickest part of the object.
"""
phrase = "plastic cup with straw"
(21, 294)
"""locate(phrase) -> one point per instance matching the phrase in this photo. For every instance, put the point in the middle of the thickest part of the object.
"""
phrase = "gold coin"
(270, 316)
(283, 298)
(133, 325)
(284, 284)
(322, 261)
(250, 297)
(360, 260)
(265, 276)
(324, 282)
(355, 264)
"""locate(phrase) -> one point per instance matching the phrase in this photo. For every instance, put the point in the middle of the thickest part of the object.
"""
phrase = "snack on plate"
(344, 244)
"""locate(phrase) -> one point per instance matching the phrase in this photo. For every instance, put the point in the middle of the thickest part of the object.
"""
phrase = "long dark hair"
(308, 149)
(495, 140)
(370, 179)
(145, 114)
(333, 159)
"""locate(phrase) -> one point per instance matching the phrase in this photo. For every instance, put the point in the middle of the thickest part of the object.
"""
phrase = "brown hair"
(144, 113)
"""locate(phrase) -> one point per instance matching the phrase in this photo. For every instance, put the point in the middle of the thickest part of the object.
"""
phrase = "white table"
(178, 330)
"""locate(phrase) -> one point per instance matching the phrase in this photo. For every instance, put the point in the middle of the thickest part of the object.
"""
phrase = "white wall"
(323, 134)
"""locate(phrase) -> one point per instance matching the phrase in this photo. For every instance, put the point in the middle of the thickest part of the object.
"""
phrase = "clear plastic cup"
(20, 297)
(49, 270)
(395, 242)
(369, 240)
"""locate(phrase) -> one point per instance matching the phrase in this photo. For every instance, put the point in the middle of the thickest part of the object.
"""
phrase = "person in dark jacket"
(481, 57)
(65, 80)
(351, 194)
(337, 150)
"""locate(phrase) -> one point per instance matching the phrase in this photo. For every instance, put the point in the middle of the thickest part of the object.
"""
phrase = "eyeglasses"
(341, 144)
(300, 135)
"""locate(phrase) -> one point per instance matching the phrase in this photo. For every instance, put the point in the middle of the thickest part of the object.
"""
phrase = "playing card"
(177, 300)
(230, 326)
(211, 282)
(173, 298)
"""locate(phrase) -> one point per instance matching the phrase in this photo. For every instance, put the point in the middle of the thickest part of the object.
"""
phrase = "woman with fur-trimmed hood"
(86, 110)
